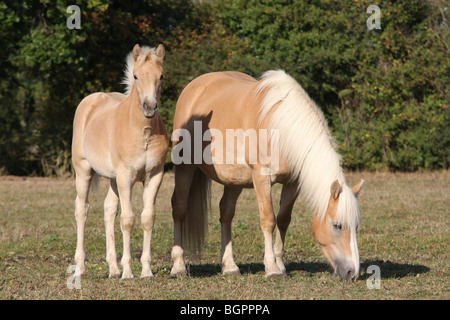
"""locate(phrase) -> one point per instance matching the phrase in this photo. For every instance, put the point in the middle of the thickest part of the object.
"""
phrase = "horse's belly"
(238, 175)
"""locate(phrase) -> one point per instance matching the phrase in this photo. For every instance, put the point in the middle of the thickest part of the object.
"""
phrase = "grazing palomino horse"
(122, 137)
(272, 114)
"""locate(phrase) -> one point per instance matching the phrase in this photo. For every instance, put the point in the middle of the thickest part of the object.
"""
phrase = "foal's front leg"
(125, 185)
(83, 181)
(151, 187)
(262, 186)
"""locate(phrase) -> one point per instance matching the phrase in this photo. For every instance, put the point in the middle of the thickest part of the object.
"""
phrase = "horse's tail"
(95, 181)
(195, 226)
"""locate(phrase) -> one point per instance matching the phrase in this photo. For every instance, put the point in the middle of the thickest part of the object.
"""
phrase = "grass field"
(405, 232)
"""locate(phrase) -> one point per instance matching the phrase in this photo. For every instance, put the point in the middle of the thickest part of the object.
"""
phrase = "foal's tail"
(195, 226)
(95, 181)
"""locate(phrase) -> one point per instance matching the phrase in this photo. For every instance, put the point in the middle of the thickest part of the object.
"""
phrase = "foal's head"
(148, 74)
(336, 231)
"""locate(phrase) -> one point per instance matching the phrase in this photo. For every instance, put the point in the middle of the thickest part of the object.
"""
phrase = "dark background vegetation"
(384, 92)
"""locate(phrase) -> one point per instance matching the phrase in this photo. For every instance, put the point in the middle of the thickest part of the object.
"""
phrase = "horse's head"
(336, 231)
(148, 74)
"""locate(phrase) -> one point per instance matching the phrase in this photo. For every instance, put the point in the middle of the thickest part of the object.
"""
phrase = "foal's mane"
(306, 144)
(128, 79)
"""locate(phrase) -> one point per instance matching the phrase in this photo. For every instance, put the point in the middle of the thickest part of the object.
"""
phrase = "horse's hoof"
(275, 275)
(178, 273)
(233, 272)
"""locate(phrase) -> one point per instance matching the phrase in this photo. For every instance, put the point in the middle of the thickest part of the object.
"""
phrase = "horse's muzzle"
(346, 271)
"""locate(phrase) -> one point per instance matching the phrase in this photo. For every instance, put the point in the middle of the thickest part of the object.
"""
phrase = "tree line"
(385, 92)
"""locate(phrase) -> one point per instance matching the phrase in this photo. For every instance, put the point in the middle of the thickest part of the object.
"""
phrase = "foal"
(122, 137)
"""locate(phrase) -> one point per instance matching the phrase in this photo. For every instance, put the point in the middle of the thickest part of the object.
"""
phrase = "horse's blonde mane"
(128, 79)
(306, 145)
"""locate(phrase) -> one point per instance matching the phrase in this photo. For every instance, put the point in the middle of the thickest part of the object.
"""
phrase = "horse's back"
(225, 102)
(217, 95)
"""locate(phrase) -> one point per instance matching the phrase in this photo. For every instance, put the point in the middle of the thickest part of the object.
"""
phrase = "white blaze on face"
(354, 250)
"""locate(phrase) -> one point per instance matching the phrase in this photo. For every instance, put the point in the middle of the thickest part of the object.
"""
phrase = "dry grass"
(405, 232)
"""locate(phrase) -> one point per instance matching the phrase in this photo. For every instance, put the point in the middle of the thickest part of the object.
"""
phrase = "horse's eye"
(135, 77)
(161, 78)
(337, 226)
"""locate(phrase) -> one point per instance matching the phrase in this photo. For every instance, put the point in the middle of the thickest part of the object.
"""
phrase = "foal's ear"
(336, 189)
(357, 187)
(136, 52)
(160, 52)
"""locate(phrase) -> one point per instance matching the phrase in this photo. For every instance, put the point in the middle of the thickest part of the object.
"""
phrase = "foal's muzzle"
(149, 109)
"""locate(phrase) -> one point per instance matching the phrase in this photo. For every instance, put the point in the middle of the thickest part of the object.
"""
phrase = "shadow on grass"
(388, 269)
(208, 269)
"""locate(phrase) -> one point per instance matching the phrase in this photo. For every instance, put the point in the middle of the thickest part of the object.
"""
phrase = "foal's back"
(93, 127)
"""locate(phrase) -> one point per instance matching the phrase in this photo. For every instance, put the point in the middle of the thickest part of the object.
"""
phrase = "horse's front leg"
(262, 186)
(125, 185)
(289, 194)
(151, 187)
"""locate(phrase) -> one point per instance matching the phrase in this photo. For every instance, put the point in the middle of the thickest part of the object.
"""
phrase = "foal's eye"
(337, 226)
(135, 77)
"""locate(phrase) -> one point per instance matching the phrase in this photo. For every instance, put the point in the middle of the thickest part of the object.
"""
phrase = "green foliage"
(394, 113)
(385, 92)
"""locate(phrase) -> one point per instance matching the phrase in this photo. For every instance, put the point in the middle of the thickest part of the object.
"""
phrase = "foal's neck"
(137, 118)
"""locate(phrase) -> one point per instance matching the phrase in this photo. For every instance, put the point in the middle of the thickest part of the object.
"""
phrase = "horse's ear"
(357, 187)
(136, 52)
(160, 52)
(336, 189)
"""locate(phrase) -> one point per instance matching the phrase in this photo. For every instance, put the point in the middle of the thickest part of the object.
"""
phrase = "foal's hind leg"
(111, 205)
(84, 174)
(289, 194)
(227, 210)
(151, 188)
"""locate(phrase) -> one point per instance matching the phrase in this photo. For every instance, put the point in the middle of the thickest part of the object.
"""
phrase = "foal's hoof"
(114, 275)
(127, 276)
(147, 275)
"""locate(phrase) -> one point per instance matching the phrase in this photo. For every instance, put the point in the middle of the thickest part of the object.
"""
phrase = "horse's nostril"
(349, 275)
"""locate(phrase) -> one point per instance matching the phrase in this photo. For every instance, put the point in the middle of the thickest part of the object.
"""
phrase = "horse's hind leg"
(183, 178)
(227, 210)
(289, 194)
(110, 206)
(84, 174)
(151, 188)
